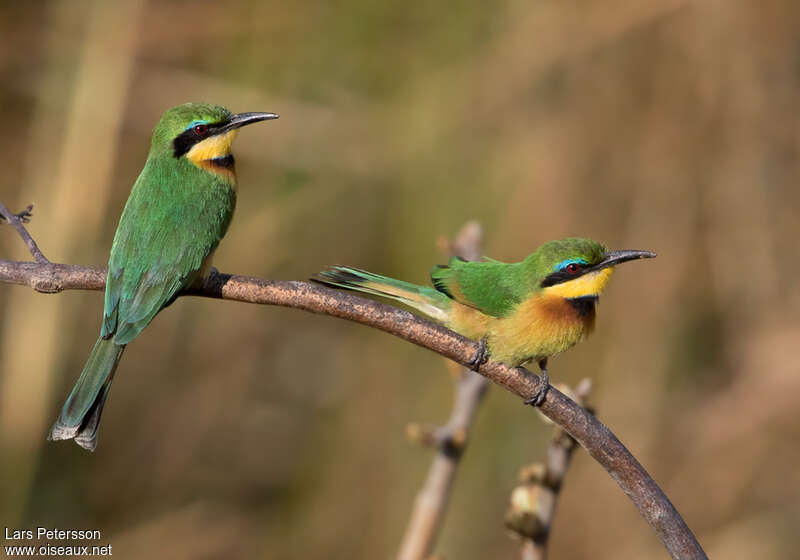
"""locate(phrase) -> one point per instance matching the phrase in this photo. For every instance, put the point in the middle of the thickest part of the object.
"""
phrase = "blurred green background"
(243, 431)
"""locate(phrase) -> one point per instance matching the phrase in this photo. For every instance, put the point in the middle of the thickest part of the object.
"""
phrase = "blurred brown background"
(244, 431)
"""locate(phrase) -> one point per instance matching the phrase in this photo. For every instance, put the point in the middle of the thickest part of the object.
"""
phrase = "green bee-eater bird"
(529, 310)
(177, 213)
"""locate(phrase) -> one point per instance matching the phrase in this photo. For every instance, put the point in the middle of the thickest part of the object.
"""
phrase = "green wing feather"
(175, 217)
(492, 287)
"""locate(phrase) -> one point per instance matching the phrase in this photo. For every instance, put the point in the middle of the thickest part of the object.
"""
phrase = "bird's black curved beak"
(243, 119)
(613, 258)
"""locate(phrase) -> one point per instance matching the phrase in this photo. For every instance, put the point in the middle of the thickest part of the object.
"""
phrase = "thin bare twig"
(450, 440)
(24, 216)
(595, 437)
(17, 220)
(533, 502)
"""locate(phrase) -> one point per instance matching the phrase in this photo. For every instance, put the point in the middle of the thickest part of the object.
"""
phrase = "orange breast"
(541, 326)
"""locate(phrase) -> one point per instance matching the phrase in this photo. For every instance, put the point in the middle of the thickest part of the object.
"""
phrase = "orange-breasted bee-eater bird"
(176, 215)
(524, 311)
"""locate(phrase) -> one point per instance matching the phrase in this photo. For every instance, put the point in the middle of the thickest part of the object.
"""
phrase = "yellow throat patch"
(591, 284)
(217, 146)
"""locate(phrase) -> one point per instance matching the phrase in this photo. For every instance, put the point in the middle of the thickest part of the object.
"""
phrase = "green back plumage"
(493, 287)
(496, 288)
(529, 310)
(178, 211)
(175, 216)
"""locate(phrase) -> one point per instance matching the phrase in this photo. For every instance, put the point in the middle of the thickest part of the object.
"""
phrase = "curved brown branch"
(595, 437)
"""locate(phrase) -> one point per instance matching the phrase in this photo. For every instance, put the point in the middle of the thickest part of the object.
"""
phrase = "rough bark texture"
(595, 437)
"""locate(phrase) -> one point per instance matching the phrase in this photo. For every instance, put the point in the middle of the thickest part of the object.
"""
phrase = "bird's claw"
(480, 356)
(544, 385)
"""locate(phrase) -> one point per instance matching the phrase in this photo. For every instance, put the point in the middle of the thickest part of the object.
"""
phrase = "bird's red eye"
(573, 268)
(200, 129)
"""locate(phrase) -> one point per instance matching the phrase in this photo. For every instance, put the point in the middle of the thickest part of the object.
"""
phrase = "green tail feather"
(80, 417)
(422, 298)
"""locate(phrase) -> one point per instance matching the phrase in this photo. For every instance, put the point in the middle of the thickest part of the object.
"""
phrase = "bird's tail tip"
(80, 416)
(85, 438)
(61, 432)
(340, 275)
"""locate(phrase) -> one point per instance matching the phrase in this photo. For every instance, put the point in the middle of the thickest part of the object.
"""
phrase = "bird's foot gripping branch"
(596, 438)
(481, 356)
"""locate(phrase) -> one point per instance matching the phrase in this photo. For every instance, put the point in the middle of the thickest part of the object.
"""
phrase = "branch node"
(449, 440)
(46, 283)
(532, 474)
(422, 434)
(533, 502)
(528, 514)
(24, 216)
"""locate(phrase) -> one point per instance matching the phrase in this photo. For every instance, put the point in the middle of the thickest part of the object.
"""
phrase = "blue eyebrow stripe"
(563, 264)
(195, 123)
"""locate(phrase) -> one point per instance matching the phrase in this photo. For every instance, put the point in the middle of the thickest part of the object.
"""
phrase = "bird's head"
(202, 133)
(577, 268)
